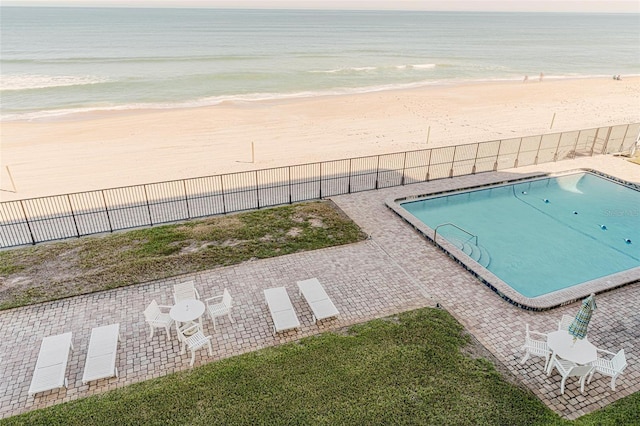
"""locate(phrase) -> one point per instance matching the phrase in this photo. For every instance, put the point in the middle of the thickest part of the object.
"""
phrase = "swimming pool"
(548, 239)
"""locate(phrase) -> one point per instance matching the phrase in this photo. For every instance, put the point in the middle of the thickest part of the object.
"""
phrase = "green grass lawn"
(406, 370)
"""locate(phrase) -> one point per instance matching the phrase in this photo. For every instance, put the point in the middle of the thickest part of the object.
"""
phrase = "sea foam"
(26, 82)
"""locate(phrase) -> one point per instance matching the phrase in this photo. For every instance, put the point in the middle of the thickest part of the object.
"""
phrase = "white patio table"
(561, 344)
(187, 310)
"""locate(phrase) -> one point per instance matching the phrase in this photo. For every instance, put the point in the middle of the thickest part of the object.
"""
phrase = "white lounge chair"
(154, 316)
(571, 369)
(221, 307)
(533, 347)
(185, 290)
(318, 300)
(281, 309)
(51, 364)
(101, 355)
(193, 338)
(609, 367)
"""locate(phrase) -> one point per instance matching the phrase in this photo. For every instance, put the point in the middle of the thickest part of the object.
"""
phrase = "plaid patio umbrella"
(578, 328)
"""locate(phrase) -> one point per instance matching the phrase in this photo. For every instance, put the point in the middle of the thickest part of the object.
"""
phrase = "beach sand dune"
(109, 149)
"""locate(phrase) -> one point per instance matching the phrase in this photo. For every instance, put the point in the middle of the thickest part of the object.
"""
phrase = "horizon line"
(37, 5)
(528, 6)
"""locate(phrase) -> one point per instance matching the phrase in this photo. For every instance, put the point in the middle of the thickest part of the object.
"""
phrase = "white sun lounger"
(51, 365)
(281, 309)
(321, 306)
(101, 356)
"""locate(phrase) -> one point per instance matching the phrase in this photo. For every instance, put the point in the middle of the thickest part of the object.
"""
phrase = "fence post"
(377, 171)
(26, 219)
(146, 197)
(106, 210)
(224, 204)
(186, 197)
(320, 183)
(593, 144)
(290, 191)
(575, 145)
(404, 165)
(257, 190)
(606, 141)
(73, 215)
(426, 177)
(349, 185)
(535, 162)
(475, 160)
(453, 160)
(515, 163)
(555, 155)
(624, 138)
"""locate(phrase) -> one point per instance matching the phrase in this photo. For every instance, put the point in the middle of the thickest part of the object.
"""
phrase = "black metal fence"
(36, 220)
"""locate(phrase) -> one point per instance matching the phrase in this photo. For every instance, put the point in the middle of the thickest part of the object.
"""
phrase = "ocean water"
(58, 61)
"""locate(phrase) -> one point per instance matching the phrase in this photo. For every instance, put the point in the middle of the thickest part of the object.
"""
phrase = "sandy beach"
(109, 149)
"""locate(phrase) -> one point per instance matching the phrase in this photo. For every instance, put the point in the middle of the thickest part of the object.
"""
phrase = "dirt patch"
(229, 243)
(209, 230)
(294, 232)
(316, 223)
(297, 218)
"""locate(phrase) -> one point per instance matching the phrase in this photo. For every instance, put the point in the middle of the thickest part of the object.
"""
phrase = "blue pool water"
(542, 235)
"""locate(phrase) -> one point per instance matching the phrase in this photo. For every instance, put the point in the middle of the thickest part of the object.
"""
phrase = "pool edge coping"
(540, 303)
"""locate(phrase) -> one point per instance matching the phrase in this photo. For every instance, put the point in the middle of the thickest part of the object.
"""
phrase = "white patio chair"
(571, 369)
(609, 367)
(185, 290)
(533, 347)
(565, 322)
(193, 338)
(221, 307)
(157, 319)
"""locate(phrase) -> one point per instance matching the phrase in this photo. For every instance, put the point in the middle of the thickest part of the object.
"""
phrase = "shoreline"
(79, 114)
(108, 149)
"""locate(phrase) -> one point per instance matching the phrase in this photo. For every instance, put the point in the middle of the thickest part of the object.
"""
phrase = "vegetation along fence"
(35, 220)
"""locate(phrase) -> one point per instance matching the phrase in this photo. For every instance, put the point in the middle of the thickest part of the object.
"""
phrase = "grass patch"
(69, 268)
(625, 411)
(407, 371)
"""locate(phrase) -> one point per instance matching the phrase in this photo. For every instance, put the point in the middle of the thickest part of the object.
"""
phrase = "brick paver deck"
(396, 270)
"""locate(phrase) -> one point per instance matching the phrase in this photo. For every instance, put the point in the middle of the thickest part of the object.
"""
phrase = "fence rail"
(57, 217)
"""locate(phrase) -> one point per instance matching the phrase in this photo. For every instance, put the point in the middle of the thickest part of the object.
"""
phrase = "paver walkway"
(396, 270)
(498, 325)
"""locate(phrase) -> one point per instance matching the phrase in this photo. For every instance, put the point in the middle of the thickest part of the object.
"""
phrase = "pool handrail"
(435, 231)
